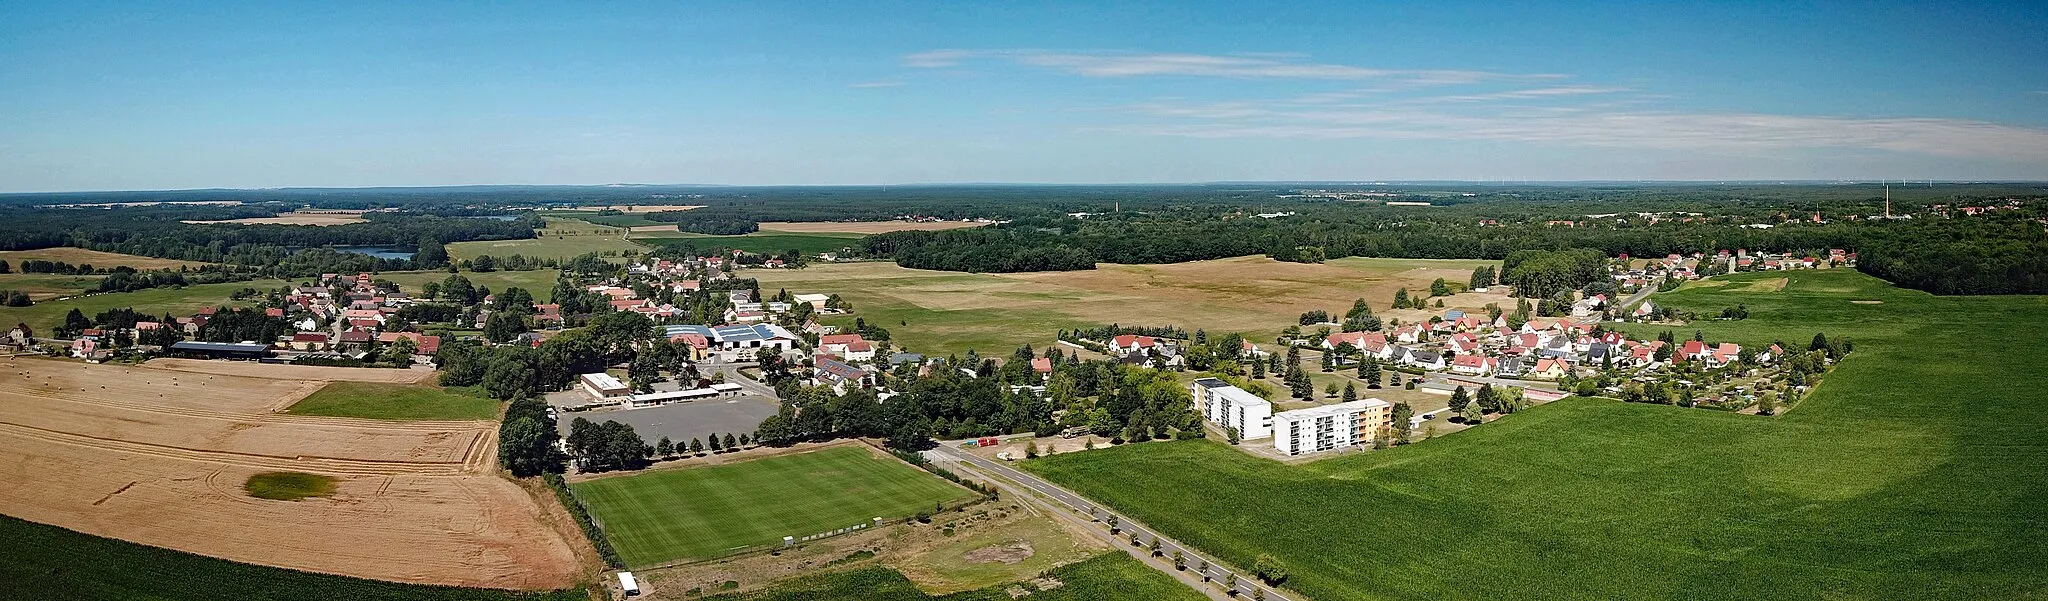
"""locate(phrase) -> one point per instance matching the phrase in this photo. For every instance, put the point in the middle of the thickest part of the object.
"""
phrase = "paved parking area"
(681, 422)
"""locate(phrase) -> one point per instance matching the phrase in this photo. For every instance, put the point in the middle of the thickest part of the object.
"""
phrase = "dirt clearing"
(1769, 285)
(275, 371)
(161, 458)
(863, 227)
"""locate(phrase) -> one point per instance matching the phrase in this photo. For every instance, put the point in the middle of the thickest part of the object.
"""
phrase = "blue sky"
(149, 95)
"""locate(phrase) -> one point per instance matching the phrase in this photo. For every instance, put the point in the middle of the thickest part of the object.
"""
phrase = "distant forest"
(266, 250)
(1074, 227)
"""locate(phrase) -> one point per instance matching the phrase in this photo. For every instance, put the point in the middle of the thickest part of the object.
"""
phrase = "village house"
(1474, 365)
(308, 341)
(1548, 369)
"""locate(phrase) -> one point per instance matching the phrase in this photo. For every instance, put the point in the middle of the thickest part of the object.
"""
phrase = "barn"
(219, 350)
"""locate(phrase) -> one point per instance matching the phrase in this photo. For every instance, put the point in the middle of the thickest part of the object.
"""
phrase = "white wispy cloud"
(1385, 103)
(1260, 66)
(1536, 93)
(1726, 132)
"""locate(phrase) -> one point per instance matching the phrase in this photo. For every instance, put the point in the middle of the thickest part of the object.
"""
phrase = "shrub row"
(583, 520)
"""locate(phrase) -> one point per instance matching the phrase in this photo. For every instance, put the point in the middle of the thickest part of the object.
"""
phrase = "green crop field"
(45, 316)
(562, 239)
(668, 515)
(539, 282)
(374, 400)
(758, 242)
(1112, 575)
(47, 562)
(1913, 472)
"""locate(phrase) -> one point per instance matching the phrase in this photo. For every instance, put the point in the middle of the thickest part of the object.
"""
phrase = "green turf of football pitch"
(681, 514)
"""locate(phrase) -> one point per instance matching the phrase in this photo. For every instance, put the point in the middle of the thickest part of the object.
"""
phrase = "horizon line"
(1350, 182)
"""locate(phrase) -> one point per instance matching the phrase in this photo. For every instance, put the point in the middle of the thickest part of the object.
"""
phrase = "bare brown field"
(80, 256)
(653, 228)
(863, 227)
(299, 373)
(1255, 293)
(158, 457)
(319, 218)
(944, 312)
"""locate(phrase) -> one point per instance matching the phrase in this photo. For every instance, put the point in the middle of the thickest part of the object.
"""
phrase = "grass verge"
(1112, 575)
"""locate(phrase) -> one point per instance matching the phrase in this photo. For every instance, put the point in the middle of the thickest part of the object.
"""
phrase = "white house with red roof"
(1131, 343)
(1694, 349)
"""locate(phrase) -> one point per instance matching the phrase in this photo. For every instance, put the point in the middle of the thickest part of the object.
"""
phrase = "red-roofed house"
(1475, 365)
(1548, 369)
(1693, 349)
(1129, 343)
(1041, 365)
(699, 345)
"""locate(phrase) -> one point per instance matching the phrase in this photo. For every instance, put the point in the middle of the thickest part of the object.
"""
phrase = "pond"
(381, 252)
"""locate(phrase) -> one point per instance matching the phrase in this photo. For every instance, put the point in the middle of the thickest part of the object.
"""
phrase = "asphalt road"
(1247, 585)
(1645, 292)
(732, 376)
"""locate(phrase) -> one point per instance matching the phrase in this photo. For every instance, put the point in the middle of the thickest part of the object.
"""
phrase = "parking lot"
(683, 421)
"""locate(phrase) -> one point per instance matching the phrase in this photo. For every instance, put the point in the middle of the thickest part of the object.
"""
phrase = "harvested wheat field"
(863, 227)
(301, 373)
(947, 312)
(80, 256)
(319, 218)
(159, 457)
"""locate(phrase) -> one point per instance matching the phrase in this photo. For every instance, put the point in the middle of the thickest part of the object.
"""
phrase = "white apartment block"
(1232, 407)
(1329, 427)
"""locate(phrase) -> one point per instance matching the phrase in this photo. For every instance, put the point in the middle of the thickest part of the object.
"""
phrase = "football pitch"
(665, 516)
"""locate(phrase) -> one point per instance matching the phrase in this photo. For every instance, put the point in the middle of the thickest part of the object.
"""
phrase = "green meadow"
(1914, 472)
(46, 316)
(539, 282)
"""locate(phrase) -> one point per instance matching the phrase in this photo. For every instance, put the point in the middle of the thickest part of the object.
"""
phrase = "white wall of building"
(1230, 406)
(1329, 427)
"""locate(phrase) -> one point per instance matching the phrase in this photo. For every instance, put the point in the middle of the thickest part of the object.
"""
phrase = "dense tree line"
(1126, 402)
(1967, 255)
(239, 325)
(1992, 255)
